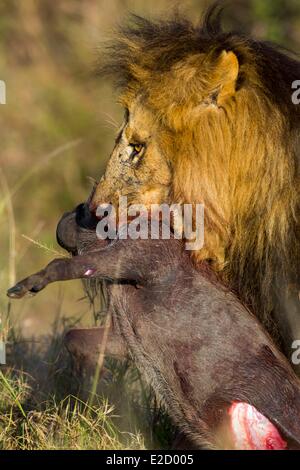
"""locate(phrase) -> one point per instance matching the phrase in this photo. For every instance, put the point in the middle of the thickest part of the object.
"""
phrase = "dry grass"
(67, 424)
(46, 404)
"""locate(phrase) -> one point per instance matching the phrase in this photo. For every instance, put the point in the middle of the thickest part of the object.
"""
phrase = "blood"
(253, 431)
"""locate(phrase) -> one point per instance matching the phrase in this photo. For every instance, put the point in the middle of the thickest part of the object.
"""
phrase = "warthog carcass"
(208, 359)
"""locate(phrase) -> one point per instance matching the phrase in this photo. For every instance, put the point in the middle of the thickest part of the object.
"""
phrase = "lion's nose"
(93, 206)
(100, 195)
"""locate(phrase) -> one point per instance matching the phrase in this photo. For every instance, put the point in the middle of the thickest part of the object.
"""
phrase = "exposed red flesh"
(253, 431)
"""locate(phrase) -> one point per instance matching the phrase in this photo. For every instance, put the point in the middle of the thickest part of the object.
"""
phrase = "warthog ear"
(226, 75)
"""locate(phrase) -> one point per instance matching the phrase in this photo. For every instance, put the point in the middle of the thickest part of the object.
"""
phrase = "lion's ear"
(226, 74)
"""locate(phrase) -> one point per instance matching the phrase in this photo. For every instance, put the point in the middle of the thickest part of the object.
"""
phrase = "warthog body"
(203, 352)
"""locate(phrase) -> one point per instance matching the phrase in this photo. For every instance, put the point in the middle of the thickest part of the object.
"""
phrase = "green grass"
(70, 423)
(46, 404)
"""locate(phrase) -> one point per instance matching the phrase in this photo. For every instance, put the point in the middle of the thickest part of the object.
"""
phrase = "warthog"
(208, 359)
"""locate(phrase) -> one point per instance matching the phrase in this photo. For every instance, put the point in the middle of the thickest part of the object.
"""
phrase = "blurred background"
(58, 125)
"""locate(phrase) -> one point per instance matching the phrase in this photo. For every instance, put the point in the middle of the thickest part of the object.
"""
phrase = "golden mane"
(242, 163)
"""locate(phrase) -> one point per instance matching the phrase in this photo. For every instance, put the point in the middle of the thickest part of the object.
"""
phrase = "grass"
(45, 404)
(66, 424)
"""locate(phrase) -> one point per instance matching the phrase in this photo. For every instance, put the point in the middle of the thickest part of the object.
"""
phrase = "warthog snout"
(66, 232)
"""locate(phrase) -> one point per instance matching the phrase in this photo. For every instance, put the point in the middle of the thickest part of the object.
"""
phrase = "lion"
(209, 119)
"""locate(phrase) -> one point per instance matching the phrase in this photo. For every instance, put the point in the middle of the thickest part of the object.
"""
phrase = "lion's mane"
(243, 163)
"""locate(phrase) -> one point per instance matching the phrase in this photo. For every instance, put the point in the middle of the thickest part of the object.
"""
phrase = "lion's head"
(209, 118)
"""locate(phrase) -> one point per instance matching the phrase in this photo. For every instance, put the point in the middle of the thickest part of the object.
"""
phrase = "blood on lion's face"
(138, 167)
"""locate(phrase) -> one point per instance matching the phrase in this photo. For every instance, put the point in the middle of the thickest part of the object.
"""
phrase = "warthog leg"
(87, 344)
(58, 270)
(114, 263)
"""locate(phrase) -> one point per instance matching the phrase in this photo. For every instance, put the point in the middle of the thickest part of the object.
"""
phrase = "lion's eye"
(137, 150)
(132, 153)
